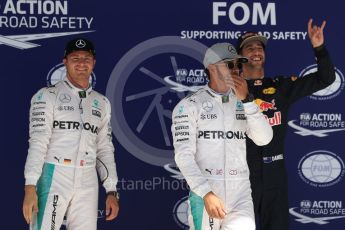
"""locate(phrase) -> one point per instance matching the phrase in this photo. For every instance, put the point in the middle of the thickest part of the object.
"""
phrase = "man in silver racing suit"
(209, 129)
(70, 134)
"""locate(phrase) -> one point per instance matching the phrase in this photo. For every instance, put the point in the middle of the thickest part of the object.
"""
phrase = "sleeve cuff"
(250, 108)
(320, 51)
(31, 181)
(109, 187)
(202, 190)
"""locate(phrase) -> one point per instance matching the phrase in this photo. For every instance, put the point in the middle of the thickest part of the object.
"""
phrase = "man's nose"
(235, 71)
(256, 51)
(82, 61)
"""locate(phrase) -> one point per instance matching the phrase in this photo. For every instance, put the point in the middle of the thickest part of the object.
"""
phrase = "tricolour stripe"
(43, 188)
(197, 209)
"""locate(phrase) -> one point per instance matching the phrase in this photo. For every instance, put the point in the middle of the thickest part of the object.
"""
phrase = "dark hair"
(249, 35)
(207, 72)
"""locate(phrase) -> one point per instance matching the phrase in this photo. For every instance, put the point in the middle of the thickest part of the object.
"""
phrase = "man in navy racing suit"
(274, 97)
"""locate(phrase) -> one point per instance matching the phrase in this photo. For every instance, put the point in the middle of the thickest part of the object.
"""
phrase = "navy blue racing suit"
(266, 163)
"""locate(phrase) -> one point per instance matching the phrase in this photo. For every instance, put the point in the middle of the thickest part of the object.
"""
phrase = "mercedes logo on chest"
(65, 98)
(207, 106)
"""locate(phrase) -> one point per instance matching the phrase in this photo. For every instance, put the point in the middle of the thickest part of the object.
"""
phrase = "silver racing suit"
(70, 134)
(209, 132)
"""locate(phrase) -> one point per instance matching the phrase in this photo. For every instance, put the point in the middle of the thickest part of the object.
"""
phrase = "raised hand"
(315, 33)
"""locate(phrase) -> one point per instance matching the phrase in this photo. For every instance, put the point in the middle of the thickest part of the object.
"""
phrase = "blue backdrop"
(148, 58)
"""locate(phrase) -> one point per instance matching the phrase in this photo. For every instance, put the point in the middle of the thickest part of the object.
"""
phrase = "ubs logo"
(208, 116)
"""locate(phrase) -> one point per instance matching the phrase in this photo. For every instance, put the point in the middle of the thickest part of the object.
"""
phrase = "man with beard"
(274, 97)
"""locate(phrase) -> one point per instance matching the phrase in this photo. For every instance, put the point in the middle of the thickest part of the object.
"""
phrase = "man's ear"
(211, 69)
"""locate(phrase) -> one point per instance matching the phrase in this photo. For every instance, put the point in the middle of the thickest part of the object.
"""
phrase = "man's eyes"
(81, 59)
